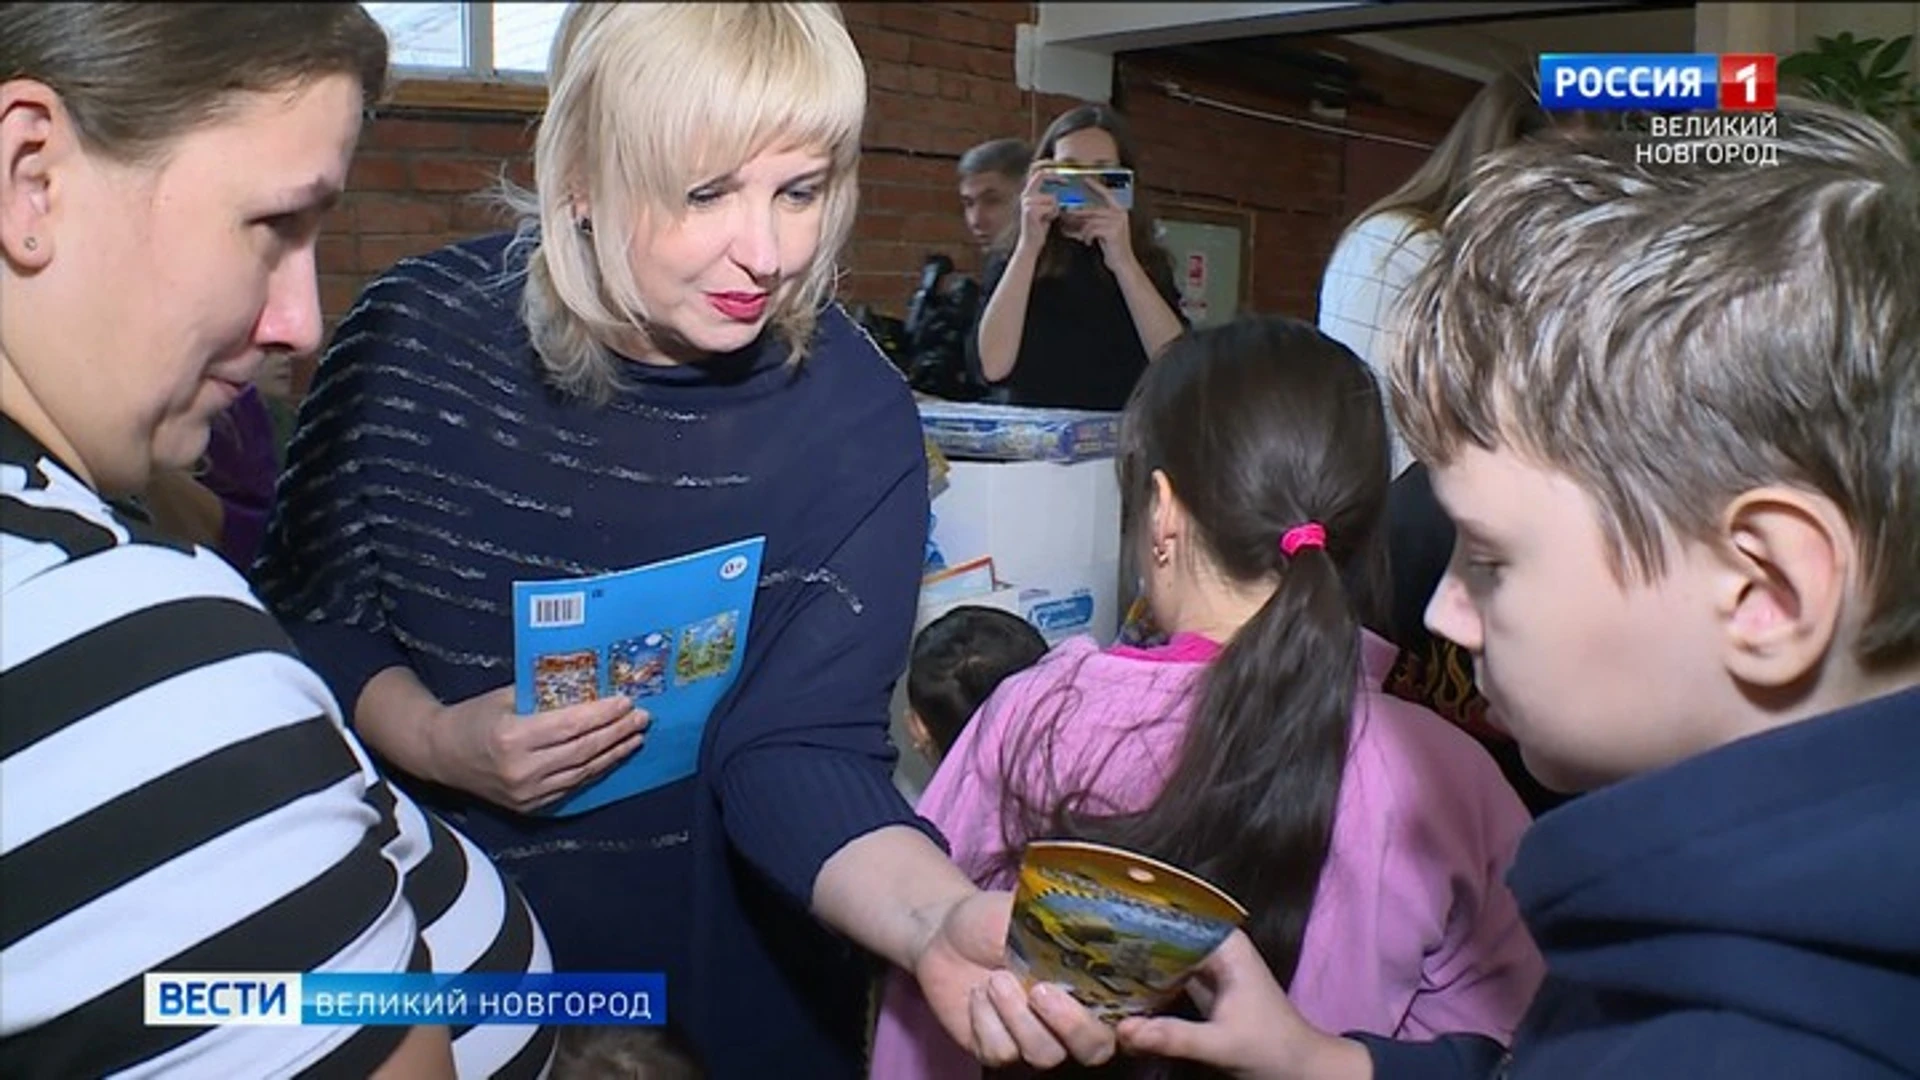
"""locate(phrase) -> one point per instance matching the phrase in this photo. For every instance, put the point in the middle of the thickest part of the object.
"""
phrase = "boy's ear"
(917, 729)
(1789, 566)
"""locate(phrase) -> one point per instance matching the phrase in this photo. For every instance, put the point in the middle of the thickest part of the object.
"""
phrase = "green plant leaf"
(1860, 50)
(1860, 74)
(1894, 52)
(1798, 66)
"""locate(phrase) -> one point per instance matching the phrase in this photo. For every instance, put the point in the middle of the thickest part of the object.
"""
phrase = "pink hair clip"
(1311, 534)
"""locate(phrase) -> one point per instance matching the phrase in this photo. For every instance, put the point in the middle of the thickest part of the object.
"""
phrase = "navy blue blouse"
(433, 466)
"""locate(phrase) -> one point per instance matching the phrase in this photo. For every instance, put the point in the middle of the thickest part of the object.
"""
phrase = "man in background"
(991, 176)
(945, 303)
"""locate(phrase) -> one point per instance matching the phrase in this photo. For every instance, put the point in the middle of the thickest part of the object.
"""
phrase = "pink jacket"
(1413, 932)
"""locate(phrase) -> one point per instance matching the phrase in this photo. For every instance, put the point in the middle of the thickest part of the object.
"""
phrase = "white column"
(1745, 26)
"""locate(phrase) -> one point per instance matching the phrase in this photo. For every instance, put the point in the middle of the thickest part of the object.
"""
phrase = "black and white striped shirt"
(177, 792)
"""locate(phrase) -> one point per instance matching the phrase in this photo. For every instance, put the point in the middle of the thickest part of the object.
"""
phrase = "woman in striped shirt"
(177, 788)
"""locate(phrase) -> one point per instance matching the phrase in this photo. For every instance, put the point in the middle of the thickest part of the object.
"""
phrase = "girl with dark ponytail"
(1365, 836)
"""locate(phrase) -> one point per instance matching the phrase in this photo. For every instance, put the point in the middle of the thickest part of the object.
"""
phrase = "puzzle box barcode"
(561, 609)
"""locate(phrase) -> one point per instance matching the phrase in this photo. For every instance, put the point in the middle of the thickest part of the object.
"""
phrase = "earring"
(31, 244)
(585, 225)
(1162, 554)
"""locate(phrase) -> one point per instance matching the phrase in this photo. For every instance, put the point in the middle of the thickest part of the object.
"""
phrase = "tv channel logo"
(1662, 82)
(403, 998)
(220, 999)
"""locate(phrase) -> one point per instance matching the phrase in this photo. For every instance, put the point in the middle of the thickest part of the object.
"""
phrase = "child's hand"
(1252, 1031)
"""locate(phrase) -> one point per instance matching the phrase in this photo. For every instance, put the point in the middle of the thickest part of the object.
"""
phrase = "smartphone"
(1069, 185)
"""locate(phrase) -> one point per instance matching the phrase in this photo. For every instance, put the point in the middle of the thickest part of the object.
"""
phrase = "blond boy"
(1674, 412)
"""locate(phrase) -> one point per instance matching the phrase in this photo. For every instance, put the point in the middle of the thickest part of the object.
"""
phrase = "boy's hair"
(1669, 336)
(959, 659)
(622, 1053)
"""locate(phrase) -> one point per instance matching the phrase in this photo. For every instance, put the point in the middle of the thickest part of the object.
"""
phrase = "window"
(475, 54)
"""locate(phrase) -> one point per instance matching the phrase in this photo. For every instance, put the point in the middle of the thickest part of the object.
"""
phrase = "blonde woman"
(650, 365)
(1381, 251)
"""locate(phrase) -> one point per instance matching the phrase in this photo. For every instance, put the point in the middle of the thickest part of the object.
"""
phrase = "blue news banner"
(214, 999)
(1669, 82)
(1629, 80)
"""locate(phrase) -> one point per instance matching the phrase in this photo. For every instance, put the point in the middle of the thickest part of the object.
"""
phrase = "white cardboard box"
(1059, 604)
(1035, 518)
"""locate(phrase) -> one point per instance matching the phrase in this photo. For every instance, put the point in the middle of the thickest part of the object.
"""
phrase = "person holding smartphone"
(1081, 296)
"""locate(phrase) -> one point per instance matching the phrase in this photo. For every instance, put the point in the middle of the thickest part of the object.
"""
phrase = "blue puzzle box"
(983, 432)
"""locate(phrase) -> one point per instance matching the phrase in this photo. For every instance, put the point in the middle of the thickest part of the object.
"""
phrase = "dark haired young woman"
(1078, 299)
(1366, 836)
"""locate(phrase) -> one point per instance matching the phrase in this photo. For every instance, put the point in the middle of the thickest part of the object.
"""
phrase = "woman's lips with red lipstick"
(739, 306)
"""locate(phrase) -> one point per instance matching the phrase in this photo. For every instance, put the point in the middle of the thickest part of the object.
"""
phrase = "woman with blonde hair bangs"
(650, 366)
(802, 91)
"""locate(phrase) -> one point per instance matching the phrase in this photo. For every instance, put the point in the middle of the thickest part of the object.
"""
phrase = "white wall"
(1477, 50)
(1786, 28)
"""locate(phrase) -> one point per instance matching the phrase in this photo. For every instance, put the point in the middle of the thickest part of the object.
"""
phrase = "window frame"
(475, 87)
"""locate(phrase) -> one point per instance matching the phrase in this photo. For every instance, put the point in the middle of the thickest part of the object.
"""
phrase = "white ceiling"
(1477, 49)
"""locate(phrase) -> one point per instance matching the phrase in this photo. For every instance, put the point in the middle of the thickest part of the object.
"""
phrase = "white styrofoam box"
(1033, 517)
(1005, 599)
(1059, 604)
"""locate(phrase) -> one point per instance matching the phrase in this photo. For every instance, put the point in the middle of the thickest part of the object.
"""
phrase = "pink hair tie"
(1312, 534)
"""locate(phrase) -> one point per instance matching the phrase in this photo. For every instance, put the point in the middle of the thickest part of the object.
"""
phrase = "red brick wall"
(1292, 181)
(418, 181)
(942, 80)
